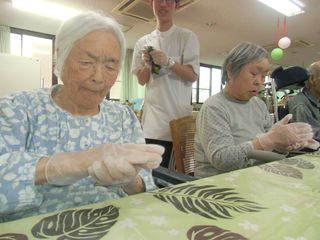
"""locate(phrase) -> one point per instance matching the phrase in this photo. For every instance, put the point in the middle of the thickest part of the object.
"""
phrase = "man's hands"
(157, 56)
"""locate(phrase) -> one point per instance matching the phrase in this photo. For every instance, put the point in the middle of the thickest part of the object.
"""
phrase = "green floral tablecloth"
(279, 200)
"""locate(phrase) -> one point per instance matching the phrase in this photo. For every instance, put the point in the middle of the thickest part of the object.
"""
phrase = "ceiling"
(219, 25)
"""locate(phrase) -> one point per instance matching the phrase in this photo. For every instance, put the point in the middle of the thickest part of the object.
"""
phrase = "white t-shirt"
(168, 96)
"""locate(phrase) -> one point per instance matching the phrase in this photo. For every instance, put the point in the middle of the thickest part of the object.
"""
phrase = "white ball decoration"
(284, 42)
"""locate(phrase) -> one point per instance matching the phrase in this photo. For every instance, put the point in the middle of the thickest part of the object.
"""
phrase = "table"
(278, 200)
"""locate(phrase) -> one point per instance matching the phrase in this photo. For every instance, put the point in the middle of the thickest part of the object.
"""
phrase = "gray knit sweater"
(224, 130)
(305, 107)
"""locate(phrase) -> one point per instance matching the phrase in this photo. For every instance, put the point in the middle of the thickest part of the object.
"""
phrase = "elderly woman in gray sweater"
(234, 123)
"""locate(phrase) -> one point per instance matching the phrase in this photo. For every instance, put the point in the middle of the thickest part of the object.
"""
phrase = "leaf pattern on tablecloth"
(289, 167)
(13, 236)
(315, 153)
(206, 232)
(208, 201)
(283, 170)
(89, 224)
(300, 162)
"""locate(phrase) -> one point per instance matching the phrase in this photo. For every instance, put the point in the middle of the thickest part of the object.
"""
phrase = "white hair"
(79, 26)
(314, 69)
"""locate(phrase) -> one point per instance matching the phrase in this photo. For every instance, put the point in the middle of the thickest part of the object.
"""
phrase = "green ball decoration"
(276, 53)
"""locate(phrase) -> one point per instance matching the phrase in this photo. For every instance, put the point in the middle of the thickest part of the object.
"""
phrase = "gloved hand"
(284, 136)
(158, 57)
(121, 165)
(146, 57)
(118, 161)
(311, 144)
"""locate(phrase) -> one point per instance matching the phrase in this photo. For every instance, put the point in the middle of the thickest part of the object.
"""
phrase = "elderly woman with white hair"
(69, 146)
(234, 126)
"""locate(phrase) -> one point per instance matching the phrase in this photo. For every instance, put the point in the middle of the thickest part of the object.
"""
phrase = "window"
(41, 46)
(208, 83)
(37, 45)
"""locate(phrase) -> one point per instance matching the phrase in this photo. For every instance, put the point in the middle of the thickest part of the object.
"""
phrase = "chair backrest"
(182, 132)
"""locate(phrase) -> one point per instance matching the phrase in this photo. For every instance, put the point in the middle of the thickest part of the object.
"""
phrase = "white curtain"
(4, 39)
(130, 88)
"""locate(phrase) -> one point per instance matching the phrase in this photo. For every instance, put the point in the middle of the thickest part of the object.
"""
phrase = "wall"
(18, 73)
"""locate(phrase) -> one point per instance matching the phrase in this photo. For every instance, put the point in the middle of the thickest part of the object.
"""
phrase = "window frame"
(197, 89)
(22, 32)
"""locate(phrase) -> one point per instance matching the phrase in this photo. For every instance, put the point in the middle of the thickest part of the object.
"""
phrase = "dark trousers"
(167, 153)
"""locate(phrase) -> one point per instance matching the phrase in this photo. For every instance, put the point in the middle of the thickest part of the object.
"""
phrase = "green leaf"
(207, 201)
(77, 224)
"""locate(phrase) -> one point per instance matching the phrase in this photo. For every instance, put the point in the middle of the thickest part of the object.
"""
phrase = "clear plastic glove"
(284, 136)
(146, 57)
(68, 168)
(159, 57)
(311, 144)
(121, 165)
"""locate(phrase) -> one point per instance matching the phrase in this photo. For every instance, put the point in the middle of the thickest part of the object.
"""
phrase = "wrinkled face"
(164, 9)
(249, 81)
(91, 68)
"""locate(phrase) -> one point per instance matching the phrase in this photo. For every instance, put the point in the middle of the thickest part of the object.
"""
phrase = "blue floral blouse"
(33, 126)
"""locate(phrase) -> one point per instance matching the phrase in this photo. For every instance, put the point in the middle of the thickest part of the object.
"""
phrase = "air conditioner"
(142, 10)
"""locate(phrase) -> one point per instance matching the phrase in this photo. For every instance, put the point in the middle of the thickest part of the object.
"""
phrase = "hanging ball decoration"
(276, 53)
(284, 42)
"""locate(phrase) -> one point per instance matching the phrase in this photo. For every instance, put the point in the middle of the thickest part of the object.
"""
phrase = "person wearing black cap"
(305, 106)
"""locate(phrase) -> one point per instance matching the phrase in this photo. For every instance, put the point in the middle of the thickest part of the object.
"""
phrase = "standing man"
(168, 70)
(305, 106)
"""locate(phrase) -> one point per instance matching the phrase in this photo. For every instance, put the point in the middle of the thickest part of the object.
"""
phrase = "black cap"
(290, 78)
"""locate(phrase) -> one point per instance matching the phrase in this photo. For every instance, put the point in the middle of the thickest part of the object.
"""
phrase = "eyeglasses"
(168, 2)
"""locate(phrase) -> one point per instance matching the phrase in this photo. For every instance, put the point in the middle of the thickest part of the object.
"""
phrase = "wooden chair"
(182, 132)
